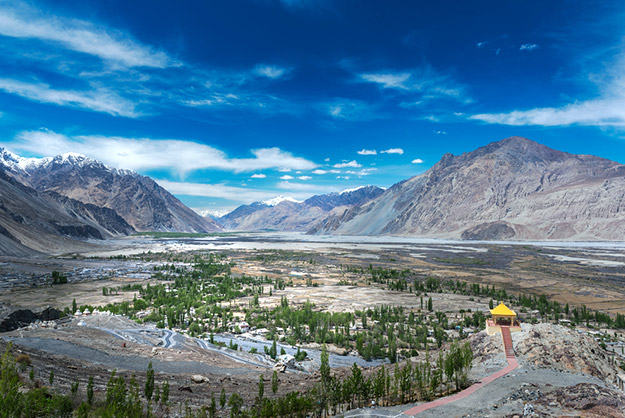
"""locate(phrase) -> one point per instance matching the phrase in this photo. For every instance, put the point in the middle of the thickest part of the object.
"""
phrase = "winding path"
(512, 364)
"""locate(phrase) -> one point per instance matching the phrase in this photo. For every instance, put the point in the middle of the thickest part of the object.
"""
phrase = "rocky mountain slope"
(141, 202)
(33, 221)
(286, 214)
(511, 189)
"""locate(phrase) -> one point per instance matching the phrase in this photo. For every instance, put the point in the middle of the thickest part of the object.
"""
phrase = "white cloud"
(529, 47)
(258, 176)
(481, 44)
(440, 132)
(410, 105)
(417, 161)
(326, 159)
(317, 171)
(108, 44)
(347, 109)
(242, 194)
(393, 151)
(98, 100)
(424, 81)
(388, 80)
(606, 109)
(285, 170)
(287, 177)
(342, 177)
(361, 173)
(304, 177)
(352, 163)
(601, 112)
(300, 187)
(334, 171)
(148, 154)
(270, 71)
(367, 152)
(216, 190)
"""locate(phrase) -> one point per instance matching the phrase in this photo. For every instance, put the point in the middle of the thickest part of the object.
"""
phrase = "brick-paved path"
(512, 364)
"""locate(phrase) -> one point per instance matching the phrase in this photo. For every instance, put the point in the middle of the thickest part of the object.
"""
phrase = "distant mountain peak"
(279, 199)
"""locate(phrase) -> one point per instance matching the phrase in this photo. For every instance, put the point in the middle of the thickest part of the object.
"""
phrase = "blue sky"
(225, 103)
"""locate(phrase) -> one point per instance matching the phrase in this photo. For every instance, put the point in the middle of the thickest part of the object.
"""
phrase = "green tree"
(212, 409)
(10, 399)
(165, 393)
(324, 369)
(90, 391)
(235, 404)
(51, 378)
(430, 304)
(274, 382)
(222, 398)
(74, 307)
(261, 388)
(149, 382)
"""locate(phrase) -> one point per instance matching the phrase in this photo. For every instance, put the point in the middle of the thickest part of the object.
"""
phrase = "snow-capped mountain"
(287, 214)
(279, 199)
(138, 199)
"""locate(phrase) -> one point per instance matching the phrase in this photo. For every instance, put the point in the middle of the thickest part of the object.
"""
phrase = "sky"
(226, 103)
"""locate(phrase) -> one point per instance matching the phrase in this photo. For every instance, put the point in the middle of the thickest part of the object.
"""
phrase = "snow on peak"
(352, 190)
(213, 213)
(14, 161)
(278, 199)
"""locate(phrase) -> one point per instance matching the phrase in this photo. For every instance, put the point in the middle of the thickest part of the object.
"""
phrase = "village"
(201, 314)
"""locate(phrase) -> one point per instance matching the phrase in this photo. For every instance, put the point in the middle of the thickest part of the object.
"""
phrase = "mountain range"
(138, 199)
(287, 214)
(511, 189)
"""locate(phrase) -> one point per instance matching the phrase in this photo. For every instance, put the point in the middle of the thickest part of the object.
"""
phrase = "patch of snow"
(279, 199)
(352, 190)
(213, 213)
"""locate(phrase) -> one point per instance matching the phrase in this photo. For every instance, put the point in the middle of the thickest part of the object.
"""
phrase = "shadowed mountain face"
(511, 189)
(137, 199)
(33, 221)
(289, 215)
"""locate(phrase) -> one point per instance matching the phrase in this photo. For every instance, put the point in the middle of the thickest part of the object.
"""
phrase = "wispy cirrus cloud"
(94, 67)
(98, 99)
(607, 109)
(142, 154)
(221, 191)
(19, 20)
(351, 110)
(425, 82)
(529, 47)
(599, 112)
(271, 71)
(389, 80)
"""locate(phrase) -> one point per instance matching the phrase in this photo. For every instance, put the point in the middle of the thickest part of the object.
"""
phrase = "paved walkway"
(512, 364)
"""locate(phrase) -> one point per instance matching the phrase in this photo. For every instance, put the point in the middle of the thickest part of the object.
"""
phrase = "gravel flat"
(112, 361)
